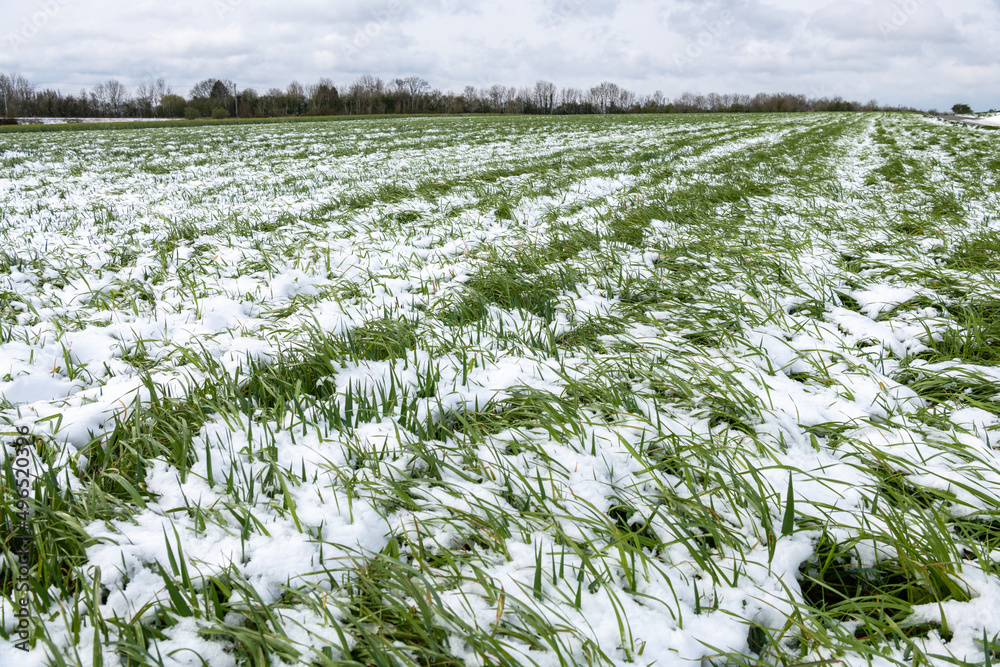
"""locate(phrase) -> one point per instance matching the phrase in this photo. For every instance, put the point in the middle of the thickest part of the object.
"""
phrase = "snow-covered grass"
(505, 391)
(33, 120)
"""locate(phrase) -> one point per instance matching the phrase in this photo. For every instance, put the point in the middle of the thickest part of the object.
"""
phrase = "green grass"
(153, 123)
(547, 391)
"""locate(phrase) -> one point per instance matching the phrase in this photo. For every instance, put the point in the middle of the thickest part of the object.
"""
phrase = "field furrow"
(522, 391)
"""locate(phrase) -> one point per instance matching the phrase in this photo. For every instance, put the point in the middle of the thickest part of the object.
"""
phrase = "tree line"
(369, 95)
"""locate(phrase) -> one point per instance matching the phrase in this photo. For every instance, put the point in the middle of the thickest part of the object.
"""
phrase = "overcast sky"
(922, 53)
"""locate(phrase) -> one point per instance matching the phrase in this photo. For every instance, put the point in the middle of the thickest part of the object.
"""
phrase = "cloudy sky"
(922, 53)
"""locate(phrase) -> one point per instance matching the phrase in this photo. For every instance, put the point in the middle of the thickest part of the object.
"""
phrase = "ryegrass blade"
(788, 523)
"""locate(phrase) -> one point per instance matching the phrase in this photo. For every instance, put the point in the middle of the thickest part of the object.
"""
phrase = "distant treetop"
(372, 95)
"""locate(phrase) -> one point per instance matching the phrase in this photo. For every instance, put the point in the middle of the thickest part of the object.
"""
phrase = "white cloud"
(916, 52)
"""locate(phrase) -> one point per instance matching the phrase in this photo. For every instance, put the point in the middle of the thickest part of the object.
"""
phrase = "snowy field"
(698, 390)
(33, 120)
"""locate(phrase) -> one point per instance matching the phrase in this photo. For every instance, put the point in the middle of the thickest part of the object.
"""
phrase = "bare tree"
(625, 100)
(274, 103)
(545, 96)
(5, 91)
(17, 93)
(370, 94)
(412, 86)
(509, 97)
(161, 89)
(144, 97)
(150, 95)
(296, 94)
(604, 96)
(524, 100)
(374, 85)
(655, 102)
(365, 92)
(570, 99)
(689, 102)
(497, 93)
(111, 97)
(469, 98)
